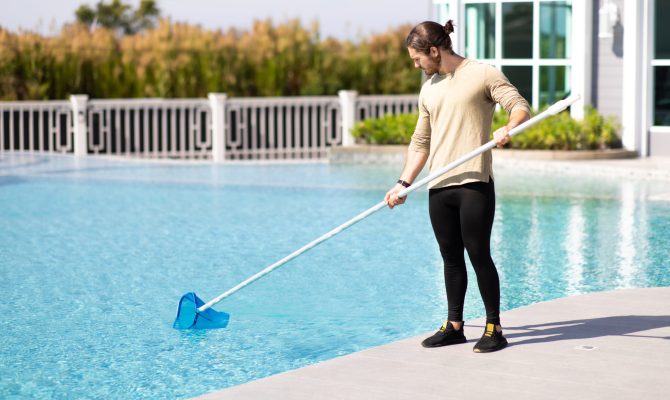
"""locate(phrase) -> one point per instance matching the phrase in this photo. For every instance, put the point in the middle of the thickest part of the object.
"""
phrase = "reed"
(177, 60)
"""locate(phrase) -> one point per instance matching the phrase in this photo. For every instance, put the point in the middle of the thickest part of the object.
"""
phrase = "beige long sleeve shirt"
(455, 114)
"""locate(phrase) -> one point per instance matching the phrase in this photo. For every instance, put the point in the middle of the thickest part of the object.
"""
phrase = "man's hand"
(501, 136)
(391, 199)
(413, 166)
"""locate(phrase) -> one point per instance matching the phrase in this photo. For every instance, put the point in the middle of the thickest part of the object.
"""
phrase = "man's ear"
(434, 52)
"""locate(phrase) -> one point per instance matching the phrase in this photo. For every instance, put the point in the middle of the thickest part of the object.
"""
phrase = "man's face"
(429, 63)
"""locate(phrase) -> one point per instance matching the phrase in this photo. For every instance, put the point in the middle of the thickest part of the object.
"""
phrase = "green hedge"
(390, 129)
(560, 132)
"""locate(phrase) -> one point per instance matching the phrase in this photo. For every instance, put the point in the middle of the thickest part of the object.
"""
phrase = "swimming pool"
(95, 254)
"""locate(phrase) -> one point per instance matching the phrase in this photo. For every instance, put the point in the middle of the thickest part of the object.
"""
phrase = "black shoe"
(445, 336)
(492, 340)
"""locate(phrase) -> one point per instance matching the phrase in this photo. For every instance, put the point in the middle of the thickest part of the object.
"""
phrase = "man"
(456, 106)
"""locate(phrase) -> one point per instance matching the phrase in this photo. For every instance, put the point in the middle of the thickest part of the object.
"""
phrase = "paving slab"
(608, 345)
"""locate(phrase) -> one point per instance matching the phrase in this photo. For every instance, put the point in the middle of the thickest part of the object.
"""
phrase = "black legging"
(462, 217)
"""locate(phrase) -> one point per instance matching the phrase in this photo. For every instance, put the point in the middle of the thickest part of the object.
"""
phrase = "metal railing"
(217, 128)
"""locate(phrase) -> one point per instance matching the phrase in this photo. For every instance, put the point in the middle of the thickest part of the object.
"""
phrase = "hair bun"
(449, 27)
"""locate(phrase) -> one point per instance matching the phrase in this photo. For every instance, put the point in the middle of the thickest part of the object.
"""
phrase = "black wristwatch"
(404, 183)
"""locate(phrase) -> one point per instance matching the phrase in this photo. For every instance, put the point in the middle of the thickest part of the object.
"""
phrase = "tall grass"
(180, 60)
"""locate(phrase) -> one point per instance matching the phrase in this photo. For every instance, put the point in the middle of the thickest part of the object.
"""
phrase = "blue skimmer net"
(188, 316)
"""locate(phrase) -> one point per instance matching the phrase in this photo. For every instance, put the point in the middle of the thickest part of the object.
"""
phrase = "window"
(521, 77)
(662, 30)
(554, 83)
(517, 30)
(530, 41)
(442, 12)
(555, 24)
(662, 95)
(480, 30)
(661, 63)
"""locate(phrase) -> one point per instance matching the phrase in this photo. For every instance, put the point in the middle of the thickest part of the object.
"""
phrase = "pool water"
(95, 254)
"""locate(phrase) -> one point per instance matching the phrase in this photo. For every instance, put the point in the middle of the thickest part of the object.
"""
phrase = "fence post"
(217, 102)
(348, 107)
(79, 124)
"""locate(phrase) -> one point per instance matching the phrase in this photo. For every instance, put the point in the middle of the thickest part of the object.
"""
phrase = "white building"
(615, 53)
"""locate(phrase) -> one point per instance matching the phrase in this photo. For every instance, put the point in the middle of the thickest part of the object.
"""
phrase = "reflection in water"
(626, 247)
(643, 240)
(574, 248)
(534, 249)
(497, 236)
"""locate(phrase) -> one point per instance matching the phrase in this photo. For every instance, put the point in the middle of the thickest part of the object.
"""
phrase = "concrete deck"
(612, 163)
(611, 345)
(649, 168)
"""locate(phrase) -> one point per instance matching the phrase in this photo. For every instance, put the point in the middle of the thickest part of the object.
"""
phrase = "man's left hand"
(501, 136)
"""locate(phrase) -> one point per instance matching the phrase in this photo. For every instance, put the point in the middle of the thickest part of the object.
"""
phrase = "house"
(615, 53)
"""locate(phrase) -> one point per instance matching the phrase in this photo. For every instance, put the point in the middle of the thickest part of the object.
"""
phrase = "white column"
(80, 129)
(647, 78)
(457, 13)
(631, 113)
(217, 102)
(348, 107)
(582, 54)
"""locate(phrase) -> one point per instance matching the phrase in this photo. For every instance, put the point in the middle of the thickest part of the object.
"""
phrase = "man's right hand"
(391, 199)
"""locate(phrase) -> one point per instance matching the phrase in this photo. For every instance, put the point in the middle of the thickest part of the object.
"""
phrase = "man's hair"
(430, 34)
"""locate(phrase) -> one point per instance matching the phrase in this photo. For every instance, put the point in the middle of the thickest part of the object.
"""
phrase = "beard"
(433, 66)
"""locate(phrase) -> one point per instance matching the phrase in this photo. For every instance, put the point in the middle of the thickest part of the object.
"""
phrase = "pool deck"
(612, 163)
(608, 345)
(648, 168)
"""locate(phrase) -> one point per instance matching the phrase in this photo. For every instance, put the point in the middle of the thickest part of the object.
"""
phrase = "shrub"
(560, 132)
(389, 129)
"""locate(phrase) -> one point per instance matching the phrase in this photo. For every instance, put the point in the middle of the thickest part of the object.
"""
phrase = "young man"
(456, 106)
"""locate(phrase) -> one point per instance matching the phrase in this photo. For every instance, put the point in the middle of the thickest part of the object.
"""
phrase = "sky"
(343, 19)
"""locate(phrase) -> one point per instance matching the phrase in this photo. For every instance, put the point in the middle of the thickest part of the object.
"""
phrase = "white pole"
(80, 129)
(348, 107)
(553, 110)
(632, 73)
(581, 56)
(217, 102)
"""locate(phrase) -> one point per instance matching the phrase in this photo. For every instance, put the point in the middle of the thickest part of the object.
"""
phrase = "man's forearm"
(413, 165)
(517, 118)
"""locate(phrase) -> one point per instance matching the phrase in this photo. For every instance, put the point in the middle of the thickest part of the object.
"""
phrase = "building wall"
(659, 144)
(607, 64)
(598, 64)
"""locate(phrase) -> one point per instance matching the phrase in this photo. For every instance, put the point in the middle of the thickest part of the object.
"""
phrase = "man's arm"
(518, 117)
(416, 160)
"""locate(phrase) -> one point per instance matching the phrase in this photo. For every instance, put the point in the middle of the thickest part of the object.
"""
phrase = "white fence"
(217, 128)
(281, 127)
(36, 126)
(150, 128)
(378, 106)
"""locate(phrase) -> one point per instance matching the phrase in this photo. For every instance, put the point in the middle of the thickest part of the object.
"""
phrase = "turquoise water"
(95, 254)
